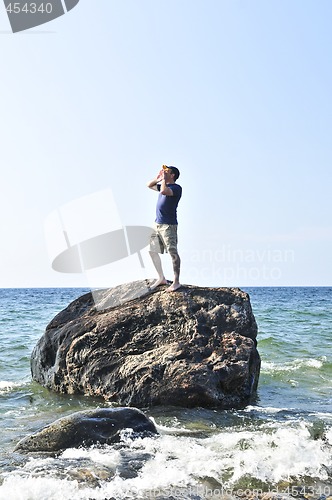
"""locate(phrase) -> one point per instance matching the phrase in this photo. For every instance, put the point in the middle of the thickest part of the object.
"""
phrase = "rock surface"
(86, 428)
(192, 347)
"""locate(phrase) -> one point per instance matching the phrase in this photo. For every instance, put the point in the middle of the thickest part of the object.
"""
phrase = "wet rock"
(192, 347)
(86, 428)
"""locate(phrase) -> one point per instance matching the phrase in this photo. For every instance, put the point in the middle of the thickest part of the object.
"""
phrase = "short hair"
(175, 171)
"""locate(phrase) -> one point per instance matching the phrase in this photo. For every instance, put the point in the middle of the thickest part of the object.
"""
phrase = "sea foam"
(292, 366)
(270, 454)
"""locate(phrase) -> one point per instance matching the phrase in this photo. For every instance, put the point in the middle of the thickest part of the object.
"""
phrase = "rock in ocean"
(86, 428)
(192, 347)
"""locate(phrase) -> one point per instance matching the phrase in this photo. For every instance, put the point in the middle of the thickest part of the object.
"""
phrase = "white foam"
(328, 436)
(4, 384)
(270, 454)
(291, 366)
(7, 386)
(106, 456)
(285, 451)
(163, 429)
(323, 416)
(265, 409)
(16, 487)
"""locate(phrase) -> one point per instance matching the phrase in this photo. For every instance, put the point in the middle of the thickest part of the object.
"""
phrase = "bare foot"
(158, 282)
(173, 287)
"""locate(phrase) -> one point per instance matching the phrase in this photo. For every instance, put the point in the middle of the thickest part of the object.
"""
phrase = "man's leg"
(157, 264)
(170, 239)
(176, 269)
(157, 247)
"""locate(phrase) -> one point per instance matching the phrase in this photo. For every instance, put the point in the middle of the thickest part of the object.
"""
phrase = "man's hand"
(164, 177)
(153, 184)
(160, 175)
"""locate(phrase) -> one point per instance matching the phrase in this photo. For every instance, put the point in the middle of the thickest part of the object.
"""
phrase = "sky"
(236, 94)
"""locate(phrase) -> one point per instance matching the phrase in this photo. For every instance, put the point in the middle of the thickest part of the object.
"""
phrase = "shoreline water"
(279, 444)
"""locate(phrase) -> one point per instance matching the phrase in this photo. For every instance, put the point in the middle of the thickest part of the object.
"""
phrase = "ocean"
(279, 445)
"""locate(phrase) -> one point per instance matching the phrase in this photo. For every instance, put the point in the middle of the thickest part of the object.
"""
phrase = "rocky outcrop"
(192, 347)
(88, 427)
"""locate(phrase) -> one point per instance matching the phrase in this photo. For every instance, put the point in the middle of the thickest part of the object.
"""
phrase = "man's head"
(175, 171)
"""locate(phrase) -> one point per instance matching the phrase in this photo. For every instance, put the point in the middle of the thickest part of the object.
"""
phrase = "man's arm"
(153, 184)
(164, 189)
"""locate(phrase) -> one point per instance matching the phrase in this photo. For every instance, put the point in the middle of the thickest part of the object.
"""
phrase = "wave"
(269, 410)
(294, 365)
(172, 466)
(8, 386)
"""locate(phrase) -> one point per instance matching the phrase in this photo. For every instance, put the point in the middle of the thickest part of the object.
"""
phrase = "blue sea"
(281, 444)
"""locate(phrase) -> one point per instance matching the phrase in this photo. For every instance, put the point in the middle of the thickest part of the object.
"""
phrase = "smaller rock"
(86, 428)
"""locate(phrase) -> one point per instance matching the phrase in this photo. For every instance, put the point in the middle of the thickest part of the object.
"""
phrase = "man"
(164, 238)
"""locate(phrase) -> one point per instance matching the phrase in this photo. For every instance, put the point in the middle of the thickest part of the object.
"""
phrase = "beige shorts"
(164, 238)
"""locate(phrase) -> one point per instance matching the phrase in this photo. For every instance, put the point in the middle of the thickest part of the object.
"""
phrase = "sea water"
(280, 444)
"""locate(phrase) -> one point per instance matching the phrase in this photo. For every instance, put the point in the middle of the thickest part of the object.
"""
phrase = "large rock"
(192, 347)
(102, 426)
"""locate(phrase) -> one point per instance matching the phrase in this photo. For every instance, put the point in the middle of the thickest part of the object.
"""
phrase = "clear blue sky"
(236, 94)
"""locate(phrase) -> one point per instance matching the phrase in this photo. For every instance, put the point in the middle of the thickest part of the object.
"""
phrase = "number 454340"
(29, 8)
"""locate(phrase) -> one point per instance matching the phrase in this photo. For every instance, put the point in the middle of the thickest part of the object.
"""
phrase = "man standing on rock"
(164, 237)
